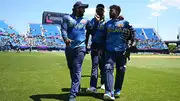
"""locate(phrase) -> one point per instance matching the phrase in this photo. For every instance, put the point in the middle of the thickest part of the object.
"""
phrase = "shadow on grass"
(85, 75)
(39, 97)
(64, 97)
(99, 76)
(83, 90)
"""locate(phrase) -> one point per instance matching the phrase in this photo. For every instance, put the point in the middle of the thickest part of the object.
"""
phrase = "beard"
(101, 15)
(112, 16)
(81, 15)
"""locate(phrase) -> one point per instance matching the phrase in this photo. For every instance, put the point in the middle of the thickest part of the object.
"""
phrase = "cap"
(100, 6)
(80, 4)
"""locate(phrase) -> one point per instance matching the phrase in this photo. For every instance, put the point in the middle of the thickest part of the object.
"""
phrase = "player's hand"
(97, 17)
(121, 17)
(134, 44)
(68, 42)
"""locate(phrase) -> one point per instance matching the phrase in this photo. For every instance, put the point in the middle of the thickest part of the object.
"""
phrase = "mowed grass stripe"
(44, 75)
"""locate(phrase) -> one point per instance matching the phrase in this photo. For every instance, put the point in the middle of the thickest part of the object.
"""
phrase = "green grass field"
(45, 77)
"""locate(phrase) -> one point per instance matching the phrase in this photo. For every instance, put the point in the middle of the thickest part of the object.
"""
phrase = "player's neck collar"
(75, 17)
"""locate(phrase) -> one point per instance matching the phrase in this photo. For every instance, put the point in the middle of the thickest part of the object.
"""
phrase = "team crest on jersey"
(120, 25)
(101, 27)
(83, 21)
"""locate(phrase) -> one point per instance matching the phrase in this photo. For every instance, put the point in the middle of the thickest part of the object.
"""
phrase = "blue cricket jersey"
(98, 33)
(115, 30)
(75, 29)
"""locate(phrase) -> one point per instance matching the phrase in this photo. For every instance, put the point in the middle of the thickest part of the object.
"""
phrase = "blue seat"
(35, 29)
(50, 30)
(140, 34)
(150, 33)
(7, 28)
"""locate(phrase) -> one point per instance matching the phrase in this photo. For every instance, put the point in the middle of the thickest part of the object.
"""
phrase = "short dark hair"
(100, 6)
(116, 7)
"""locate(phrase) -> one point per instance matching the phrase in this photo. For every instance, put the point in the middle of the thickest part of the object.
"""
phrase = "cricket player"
(74, 29)
(130, 43)
(117, 34)
(97, 48)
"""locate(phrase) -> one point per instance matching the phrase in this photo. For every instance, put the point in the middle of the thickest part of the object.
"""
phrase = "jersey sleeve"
(64, 27)
(132, 35)
(88, 31)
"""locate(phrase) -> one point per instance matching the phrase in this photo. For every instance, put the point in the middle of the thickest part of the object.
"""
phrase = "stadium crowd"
(12, 41)
(151, 44)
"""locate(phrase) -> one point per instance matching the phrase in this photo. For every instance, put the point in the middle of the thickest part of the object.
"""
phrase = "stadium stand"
(10, 38)
(50, 31)
(35, 30)
(48, 37)
(139, 34)
(7, 29)
(148, 39)
(150, 33)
